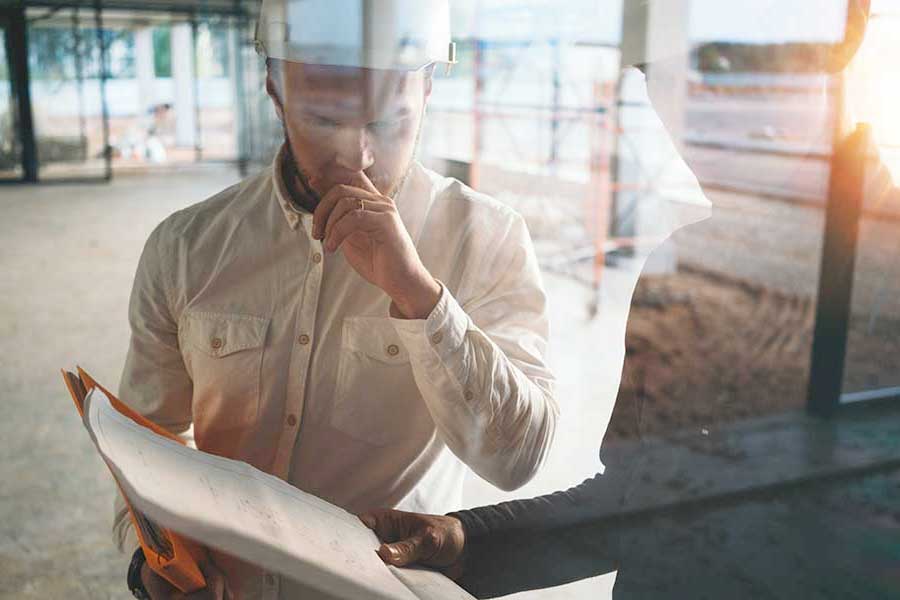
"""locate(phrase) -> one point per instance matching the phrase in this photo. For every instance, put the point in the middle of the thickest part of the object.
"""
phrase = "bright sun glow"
(874, 87)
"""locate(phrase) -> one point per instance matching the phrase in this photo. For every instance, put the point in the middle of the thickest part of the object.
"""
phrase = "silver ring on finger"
(362, 204)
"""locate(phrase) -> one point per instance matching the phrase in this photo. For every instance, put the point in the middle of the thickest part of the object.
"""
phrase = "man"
(346, 320)
(573, 534)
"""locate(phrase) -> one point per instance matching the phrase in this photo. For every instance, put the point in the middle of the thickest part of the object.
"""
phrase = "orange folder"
(172, 557)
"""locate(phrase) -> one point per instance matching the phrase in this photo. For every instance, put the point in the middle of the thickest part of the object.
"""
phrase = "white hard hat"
(374, 34)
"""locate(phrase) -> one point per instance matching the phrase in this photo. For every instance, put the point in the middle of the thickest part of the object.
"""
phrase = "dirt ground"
(729, 334)
(702, 348)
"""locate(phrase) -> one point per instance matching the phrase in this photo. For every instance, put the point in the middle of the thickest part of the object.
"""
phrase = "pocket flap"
(376, 338)
(221, 334)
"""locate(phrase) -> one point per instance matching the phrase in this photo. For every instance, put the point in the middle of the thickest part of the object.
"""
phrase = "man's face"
(340, 121)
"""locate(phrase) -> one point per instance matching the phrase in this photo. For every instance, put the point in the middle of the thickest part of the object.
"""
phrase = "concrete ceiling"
(200, 7)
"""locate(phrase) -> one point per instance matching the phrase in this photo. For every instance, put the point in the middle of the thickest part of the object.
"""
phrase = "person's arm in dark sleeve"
(536, 543)
(505, 548)
(543, 512)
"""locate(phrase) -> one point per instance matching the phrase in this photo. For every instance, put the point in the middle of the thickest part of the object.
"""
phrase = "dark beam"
(17, 46)
(223, 7)
(842, 216)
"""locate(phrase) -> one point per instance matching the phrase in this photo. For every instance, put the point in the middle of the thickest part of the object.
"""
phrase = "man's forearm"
(559, 509)
(529, 559)
(536, 543)
(490, 413)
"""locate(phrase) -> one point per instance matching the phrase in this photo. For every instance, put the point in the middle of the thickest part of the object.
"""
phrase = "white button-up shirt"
(282, 356)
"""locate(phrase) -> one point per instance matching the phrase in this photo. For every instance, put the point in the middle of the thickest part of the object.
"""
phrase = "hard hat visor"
(372, 34)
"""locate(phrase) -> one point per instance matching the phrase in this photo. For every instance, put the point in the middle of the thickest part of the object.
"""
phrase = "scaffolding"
(547, 135)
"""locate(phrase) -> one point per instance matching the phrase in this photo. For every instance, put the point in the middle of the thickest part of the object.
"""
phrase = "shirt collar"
(293, 213)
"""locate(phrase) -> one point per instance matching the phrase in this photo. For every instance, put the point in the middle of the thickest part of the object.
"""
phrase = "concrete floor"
(787, 507)
(67, 255)
(837, 541)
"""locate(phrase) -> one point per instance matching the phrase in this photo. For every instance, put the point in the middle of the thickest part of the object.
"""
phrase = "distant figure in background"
(155, 146)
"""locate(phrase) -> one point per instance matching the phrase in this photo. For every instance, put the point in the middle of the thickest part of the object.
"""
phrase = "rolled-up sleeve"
(480, 365)
(154, 381)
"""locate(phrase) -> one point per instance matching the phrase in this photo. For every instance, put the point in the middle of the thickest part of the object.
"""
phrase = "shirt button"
(317, 258)
(216, 343)
(468, 395)
(393, 350)
(292, 420)
(270, 580)
(437, 337)
(303, 339)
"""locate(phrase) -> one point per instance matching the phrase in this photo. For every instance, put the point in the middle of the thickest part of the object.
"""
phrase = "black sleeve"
(555, 510)
(536, 543)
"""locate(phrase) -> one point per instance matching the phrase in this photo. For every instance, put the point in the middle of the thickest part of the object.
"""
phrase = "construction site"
(719, 255)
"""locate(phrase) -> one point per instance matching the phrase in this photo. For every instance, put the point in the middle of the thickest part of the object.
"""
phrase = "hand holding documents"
(251, 515)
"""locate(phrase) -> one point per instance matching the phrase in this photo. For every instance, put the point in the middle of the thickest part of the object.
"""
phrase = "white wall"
(123, 96)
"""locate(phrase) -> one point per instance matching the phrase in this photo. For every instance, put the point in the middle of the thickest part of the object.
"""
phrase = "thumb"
(403, 553)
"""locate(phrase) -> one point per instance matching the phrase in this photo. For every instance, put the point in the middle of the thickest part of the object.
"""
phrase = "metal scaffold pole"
(237, 29)
(477, 126)
(104, 76)
(195, 82)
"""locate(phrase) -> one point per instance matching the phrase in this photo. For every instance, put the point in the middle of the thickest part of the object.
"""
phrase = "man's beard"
(302, 196)
(306, 197)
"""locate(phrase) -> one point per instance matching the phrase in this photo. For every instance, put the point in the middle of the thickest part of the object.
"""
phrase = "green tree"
(162, 51)
(50, 53)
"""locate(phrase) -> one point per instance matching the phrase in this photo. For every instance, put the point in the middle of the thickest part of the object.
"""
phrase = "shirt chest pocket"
(376, 397)
(223, 354)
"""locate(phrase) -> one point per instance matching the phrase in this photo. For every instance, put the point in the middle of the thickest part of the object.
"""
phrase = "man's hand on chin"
(366, 226)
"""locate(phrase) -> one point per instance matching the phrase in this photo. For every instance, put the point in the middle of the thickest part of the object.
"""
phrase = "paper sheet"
(431, 585)
(594, 588)
(252, 515)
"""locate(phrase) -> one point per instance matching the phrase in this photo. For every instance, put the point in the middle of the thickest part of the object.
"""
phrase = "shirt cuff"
(442, 331)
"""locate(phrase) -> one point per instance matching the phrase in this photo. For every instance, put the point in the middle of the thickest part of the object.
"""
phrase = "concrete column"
(668, 39)
(655, 33)
(183, 81)
(143, 63)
